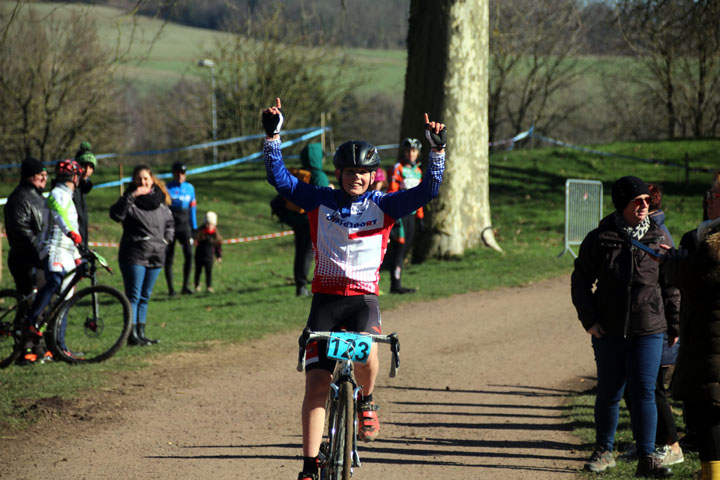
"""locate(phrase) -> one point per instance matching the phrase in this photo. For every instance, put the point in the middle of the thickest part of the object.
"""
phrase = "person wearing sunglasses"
(626, 307)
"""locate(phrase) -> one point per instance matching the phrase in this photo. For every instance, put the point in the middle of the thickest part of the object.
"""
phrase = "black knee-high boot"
(141, 334)
(134, 337)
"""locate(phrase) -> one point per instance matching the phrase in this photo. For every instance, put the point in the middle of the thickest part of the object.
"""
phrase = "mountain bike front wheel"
(10, 348)
(90, 326)
(342, 434)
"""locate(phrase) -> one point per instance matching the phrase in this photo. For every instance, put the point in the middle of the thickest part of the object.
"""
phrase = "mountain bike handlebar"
(308, 335)
(93, 257)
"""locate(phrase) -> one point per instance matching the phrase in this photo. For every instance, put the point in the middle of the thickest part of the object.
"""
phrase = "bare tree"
(533, 48)
(654, 30)
(252, 73)
(447, 76)
(699, 71)
(57, 84)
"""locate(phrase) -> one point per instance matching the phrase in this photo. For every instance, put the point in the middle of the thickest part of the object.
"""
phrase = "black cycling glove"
(272, 123)
(437, 140)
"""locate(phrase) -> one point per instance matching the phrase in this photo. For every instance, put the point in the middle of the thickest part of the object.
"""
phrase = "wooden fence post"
(120, 177)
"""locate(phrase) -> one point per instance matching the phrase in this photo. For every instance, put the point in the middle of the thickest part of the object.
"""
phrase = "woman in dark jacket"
(627, 314)
(147, 230)
(697, 371)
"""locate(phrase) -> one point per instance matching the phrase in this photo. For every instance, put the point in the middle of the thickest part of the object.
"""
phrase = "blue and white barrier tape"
(228, 163)
(182, 149)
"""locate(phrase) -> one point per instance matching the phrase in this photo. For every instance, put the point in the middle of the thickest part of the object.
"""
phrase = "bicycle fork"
(335, 392)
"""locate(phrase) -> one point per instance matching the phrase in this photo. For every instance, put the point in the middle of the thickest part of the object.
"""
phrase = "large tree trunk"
(447, 77)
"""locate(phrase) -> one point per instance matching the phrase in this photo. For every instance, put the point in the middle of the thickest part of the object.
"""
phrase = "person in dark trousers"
(311, 158)
(626, 309)
(24, 213)
(147, 230)
(405, 174)
(183, 208)
(208, 247)
(88, 163)
(689, 244)
(666, 436)
(697, 372)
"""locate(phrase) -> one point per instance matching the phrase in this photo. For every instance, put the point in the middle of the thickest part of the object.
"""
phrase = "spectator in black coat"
(88, 163)
(623, 304)
(24, 213)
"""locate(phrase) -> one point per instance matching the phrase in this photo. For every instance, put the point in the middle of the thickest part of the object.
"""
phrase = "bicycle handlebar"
(93, 256)
(392, 339)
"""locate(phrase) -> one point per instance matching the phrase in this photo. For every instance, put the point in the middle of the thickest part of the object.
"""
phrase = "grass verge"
(580, 415)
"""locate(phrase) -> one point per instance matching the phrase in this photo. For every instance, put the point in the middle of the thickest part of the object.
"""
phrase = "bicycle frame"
(86, 269)
(344, 374)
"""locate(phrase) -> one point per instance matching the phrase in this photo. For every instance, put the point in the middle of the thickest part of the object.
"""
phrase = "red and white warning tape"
(103, 244)
(259, 237)
(229, 240)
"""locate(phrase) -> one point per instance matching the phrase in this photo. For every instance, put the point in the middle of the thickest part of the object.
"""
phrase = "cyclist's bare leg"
(317, 386)
(365, 374)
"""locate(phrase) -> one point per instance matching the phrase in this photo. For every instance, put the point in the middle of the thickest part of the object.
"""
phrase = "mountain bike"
(338, 453)
(85, 326)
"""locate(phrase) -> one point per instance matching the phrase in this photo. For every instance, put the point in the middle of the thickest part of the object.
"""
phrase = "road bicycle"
(338, 453)
(85, 326)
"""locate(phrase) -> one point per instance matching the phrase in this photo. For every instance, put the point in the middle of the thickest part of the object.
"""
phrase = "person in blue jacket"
(183, 208)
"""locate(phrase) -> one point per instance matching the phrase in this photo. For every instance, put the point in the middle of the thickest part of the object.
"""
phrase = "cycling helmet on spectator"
(356, 154)
(411, 143)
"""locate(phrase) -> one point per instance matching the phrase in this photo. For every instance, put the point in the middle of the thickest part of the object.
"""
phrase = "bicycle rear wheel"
(91, 326)
(342, 432)
(10, 348)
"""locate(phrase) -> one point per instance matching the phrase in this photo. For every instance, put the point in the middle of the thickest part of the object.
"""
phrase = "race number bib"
(349, 346)
(410, 182)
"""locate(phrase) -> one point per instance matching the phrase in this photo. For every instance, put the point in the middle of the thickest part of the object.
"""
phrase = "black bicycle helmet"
(411, 143)
(356, 154)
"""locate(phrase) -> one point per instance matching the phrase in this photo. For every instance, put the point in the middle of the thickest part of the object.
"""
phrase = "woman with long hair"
(147, 230)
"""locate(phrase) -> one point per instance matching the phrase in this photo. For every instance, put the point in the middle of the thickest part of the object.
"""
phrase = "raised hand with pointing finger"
(436, 134)
(272, 120)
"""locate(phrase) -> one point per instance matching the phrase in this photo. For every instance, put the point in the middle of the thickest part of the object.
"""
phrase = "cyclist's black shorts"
(354, 313)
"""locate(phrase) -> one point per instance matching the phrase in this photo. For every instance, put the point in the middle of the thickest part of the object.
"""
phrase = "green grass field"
(176, 49)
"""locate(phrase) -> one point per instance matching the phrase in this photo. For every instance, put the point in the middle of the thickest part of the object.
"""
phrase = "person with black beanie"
(24, 213)
(626, 307)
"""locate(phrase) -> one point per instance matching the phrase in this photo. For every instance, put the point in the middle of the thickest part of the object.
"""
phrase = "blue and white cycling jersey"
(349, 236)
(183, 204)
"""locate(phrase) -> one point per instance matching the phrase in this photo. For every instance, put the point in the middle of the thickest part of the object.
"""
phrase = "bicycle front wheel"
(10, 348)
(91, 326)
(342, 432)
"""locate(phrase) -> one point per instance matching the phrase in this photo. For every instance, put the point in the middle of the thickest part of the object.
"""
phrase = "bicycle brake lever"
(302, 342)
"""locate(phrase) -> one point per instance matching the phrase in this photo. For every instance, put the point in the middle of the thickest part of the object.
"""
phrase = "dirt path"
(479, 394)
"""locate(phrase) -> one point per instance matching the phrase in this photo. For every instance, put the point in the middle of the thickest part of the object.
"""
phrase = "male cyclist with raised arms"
(350, 227)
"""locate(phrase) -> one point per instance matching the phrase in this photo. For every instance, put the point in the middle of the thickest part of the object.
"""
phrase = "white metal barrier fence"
(583, 211)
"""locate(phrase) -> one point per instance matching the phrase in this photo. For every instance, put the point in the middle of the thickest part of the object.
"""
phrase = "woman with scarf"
(624, 305)
(147, 230)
